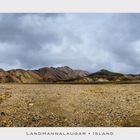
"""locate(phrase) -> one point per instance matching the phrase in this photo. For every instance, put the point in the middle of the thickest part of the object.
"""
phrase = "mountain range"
(62, 74)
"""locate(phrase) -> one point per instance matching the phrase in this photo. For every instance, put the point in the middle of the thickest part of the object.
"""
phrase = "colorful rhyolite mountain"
(45, 74)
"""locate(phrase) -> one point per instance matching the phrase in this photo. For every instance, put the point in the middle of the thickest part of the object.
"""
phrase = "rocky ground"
(40, 105)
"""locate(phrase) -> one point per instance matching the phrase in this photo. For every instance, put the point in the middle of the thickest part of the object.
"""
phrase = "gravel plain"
(69, 105)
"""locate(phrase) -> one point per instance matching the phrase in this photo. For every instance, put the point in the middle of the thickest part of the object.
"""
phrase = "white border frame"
(42, 6)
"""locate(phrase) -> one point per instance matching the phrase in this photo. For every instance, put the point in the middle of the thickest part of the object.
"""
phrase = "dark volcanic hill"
(45, 74)
(106, 76)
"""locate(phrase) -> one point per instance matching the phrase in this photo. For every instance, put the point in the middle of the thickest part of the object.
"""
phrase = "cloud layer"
(82, 41)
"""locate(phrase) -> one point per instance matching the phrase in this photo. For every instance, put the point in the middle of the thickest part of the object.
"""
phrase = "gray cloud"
(82, 41)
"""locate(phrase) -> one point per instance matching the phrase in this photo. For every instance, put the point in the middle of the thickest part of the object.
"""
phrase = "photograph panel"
(69, 70)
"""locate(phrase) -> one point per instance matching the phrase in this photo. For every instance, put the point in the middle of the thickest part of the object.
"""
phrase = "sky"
(86, 41)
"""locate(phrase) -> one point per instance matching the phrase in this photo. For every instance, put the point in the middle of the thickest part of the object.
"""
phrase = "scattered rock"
(30, 104)
(2, 113)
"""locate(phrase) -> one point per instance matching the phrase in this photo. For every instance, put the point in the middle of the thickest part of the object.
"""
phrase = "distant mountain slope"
(41, 75)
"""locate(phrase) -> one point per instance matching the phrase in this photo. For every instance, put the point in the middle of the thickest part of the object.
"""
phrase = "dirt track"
(69, 105)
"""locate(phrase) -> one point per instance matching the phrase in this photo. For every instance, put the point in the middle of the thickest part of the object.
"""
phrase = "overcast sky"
(81, 41)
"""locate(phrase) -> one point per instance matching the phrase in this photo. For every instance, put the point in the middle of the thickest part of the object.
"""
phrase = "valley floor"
(53, 105)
